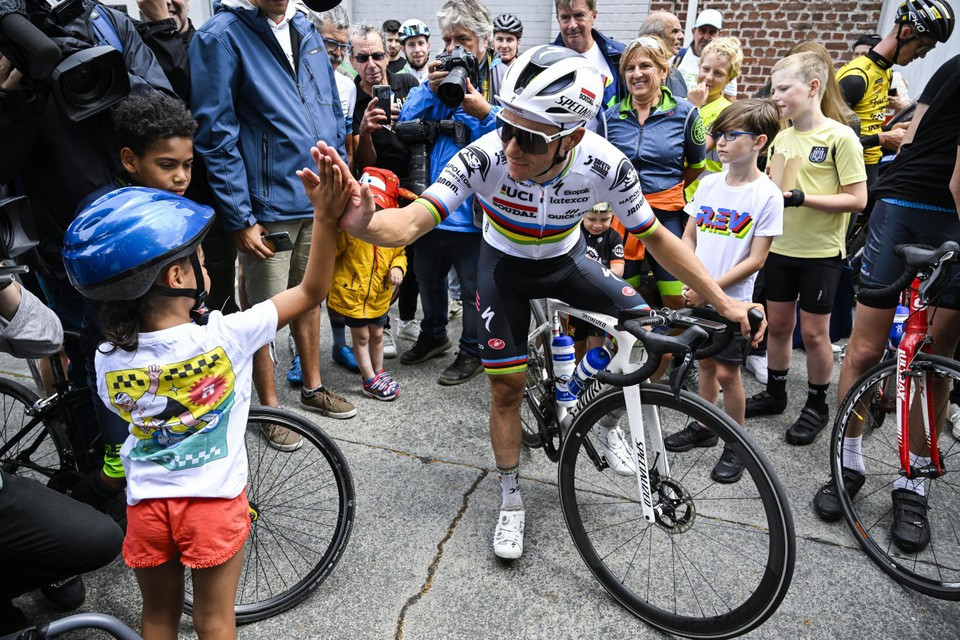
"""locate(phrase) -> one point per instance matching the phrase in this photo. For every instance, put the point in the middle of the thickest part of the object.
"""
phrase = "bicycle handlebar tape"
(656, 345)
(915, 257)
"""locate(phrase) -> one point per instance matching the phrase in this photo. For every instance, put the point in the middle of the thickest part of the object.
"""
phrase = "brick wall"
(767, 28)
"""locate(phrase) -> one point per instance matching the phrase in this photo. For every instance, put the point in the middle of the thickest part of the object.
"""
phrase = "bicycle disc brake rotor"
(675, 509)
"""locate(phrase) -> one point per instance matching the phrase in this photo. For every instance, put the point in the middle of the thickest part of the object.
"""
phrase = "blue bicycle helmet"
(117, 246)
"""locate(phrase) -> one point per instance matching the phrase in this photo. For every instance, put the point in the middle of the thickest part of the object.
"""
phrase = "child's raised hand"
(698, 95)
(331, 187)
(692, 298)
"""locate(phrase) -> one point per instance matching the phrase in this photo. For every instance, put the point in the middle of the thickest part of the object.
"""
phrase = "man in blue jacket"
(263, 93)
(576, 18)
(456, 241)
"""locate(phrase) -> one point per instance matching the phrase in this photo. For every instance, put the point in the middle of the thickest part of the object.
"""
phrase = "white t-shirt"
(595, 56)
(689, 68)
(347, 89)
(728, 218)
(185, 393)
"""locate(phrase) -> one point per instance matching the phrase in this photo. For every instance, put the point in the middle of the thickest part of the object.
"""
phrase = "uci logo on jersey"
(818, 154)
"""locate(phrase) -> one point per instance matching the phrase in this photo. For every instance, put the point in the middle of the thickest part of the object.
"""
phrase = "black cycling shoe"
(67, 594)
(910, 529)
(826, 503)
(804, 431)
(689, 437)
(764, 404)
(729, 468)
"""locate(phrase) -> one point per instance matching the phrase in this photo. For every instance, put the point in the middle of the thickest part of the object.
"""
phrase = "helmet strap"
(558, 158)
(900, 43)
(198, 313)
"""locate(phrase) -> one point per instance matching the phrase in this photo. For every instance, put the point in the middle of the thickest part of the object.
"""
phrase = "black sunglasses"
(529, 141)
(363, 57)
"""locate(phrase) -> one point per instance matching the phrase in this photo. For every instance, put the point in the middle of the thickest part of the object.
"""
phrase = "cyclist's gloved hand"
(793, 198)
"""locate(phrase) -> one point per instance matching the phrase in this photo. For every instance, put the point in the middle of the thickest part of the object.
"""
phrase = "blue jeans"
(437, 251)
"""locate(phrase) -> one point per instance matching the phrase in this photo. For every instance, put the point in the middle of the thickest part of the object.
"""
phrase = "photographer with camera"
(45, 536)
(451, 94)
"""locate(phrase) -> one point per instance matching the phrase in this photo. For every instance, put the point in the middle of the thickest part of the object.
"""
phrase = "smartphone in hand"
(279, 241)
(382, 93)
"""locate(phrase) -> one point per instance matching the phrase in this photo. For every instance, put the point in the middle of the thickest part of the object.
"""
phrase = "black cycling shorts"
(892, 224)
(812, 280)
(506, 284)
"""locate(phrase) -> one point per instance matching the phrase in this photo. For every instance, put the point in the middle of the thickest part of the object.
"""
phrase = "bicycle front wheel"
(30, 447)
(302, 509)
(719, 558)
(935, 569)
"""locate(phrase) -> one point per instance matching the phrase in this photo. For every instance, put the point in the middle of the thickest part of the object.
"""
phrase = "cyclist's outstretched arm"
(955, 182)
(678, 259)
(386, 228)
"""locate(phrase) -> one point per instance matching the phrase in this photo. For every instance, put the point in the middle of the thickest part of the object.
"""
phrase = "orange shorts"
(203, 532)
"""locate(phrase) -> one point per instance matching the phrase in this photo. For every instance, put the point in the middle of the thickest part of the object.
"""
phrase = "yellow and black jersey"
(865, 85)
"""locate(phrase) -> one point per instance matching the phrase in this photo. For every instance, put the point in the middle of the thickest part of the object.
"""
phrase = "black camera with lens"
(84, 79)
(418, 135)
(18, 234)
(461, 64)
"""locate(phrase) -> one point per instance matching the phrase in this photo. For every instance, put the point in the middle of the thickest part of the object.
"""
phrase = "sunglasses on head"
(363, 57)
(529, 141)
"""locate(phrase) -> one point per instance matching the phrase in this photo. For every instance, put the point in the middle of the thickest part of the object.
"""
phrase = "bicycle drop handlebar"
(702, 324)
(57, 628)
(916, 258)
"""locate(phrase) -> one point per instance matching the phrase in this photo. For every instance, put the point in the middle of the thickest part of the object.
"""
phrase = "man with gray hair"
(576, 18)
(666, 26)
(456, 241)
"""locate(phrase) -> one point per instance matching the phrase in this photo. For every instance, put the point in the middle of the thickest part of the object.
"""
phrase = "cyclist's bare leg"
(506, 394)
(815, 329)
(214, 592)
(866, 345)
(781, 319)
(162, 591)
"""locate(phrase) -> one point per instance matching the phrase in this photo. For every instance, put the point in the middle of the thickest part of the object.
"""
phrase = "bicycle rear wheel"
(302, 507)
(29, 447)
(935, 570)
(720, 557)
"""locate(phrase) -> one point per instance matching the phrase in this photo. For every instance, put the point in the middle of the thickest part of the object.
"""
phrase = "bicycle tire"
(30, 447)
(302, 510)
(539, 385)
(735, 541)
(934, 571)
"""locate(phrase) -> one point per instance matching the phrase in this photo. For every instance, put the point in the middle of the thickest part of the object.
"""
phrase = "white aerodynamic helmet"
(553, 85)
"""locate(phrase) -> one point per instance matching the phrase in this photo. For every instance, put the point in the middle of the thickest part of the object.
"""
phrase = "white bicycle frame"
(644, 421)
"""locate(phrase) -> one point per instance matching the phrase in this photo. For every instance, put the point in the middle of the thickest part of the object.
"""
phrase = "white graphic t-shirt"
(185, 393)
(728, 218)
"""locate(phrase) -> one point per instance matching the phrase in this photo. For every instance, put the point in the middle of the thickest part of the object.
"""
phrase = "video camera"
(84, 79)
(18, 234)
(417, 134)
(461, 64)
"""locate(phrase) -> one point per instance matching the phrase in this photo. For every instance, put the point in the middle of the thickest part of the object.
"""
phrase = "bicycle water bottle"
(564, 362)
(896, 331)
(593, 361)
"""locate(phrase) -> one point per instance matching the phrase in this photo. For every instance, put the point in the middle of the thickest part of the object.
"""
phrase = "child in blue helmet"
(183, 387)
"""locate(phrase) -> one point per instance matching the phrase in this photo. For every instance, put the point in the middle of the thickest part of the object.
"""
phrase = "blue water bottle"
(896, 331)
(564, 363)
(593, 361)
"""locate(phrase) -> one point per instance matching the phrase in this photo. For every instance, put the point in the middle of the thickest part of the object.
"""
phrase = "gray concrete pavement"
(420, 564)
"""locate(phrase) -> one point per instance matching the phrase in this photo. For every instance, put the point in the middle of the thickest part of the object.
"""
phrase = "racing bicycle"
(302, 502)
(914, 387)
(676, 549)
(58, 628)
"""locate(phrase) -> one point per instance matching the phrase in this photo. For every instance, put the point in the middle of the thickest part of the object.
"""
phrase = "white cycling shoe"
(508, 538)
(615, 449)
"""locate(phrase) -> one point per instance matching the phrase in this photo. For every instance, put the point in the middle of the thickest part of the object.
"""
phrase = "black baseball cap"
(321, 5)
(870, 40)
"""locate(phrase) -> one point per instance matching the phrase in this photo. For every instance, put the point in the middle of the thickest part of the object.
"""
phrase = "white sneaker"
(614, 447)
(757, 365)
(409, 330)
(953, 417)
(508, 538)
(389, 345)
(456, 308)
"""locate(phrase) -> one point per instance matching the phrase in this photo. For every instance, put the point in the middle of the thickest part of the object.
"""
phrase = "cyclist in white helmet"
(415, 40)
(534, 178)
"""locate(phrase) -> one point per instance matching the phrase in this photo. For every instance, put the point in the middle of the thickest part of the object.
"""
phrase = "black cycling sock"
(777, 382)
(817, 397)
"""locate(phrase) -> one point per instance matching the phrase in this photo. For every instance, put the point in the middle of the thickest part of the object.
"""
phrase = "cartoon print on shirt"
(176, 418)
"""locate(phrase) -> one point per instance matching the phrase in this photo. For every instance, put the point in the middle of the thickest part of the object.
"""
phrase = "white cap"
(710, 17)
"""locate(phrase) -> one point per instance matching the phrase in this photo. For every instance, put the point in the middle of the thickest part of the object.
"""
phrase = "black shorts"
(359, 323)
(812, 280)
(506, 284)
(733, 353)
(892, 224)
